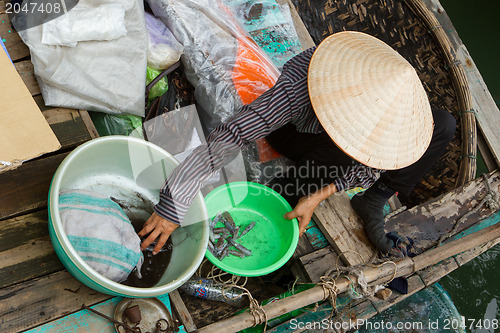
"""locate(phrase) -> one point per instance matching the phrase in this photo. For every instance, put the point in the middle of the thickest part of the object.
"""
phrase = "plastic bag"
(106, 22)
(103, 76)
(163, 49)
(270, 25)
(110, 124)
(179, 132)
(221, 61)
(159, 88)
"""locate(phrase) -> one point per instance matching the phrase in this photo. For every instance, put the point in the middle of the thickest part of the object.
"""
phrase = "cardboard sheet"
(24, 132)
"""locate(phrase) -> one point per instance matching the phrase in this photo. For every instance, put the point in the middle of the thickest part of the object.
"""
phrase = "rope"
(256, 310)
(216, 274)
(329, 290)
(492, 201)
(366, 290)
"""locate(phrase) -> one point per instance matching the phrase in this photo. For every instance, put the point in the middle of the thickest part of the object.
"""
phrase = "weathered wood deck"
(39, 295)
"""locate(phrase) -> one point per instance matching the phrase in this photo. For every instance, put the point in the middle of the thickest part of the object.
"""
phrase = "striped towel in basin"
(101, 233)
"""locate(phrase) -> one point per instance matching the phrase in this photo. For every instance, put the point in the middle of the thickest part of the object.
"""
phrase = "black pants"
(319, 160)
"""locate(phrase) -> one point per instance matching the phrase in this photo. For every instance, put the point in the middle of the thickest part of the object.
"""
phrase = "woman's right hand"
(157, 227)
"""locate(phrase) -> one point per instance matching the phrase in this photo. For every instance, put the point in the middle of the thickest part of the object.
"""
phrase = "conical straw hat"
(369, 100)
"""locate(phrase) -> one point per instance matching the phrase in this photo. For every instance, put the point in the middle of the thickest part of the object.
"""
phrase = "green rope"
(461, 114)
(470, 156)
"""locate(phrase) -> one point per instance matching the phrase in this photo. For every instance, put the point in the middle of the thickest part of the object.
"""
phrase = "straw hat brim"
(370, 101)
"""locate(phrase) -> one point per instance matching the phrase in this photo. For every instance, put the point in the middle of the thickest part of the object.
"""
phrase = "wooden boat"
(38, 294)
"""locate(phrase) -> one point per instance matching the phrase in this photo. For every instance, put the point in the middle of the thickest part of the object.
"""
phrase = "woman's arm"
(267, 113)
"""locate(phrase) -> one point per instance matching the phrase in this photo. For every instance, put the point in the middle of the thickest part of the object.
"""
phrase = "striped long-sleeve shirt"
(286, 102)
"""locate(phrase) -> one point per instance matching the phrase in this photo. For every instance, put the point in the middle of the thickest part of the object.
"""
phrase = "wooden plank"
(307, 322)
(344, 229)
(415, 284)
(26, 251)
(15, 46)
(317, 263)
(316, 237)
(86, 321)
(456, 247)
(488, 114)
(72, 127)
(82, 321)
(434, 273)
(182, 312)
(352, 316)
(41, 300)
(427, 222)
(69, 127)
(27, 73)
(303, 247)
(89, 124)
(26, 188)
(467, 256)
(486, 154)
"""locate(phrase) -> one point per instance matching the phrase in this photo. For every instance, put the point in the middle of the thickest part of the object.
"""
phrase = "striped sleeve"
(358, 175)
(256, 120)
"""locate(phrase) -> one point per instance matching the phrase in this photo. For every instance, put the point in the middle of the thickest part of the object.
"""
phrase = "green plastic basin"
(272, 240)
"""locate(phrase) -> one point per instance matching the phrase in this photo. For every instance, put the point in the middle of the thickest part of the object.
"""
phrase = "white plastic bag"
(106, 22)
(163, 50)
(107, 76)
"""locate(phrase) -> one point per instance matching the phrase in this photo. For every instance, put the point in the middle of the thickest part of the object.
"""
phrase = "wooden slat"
(344, 229)
(427, 222)
(315, 237)
(486, 154)
(26, 188)
(488, 114)
(303, 247)
(72, 127)
(84, 321)
(41, 300)
(434, 273)
(317, 263)
(69, 127)
(27, 73)
(307, 322)
(17, 49)
(467, 256)
(182, 311)
(26, 251)
(89, 124)
(356, 314)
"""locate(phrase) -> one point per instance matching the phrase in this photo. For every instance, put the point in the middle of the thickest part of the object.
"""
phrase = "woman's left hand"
(303, 212)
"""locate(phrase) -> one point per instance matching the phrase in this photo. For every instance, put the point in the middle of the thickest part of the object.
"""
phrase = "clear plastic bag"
(163, 49)
(270, 25)
(221, 61)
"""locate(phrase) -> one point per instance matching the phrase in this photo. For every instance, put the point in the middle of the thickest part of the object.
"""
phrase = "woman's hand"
(156, 226)
(306, 206)
(303, 212)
